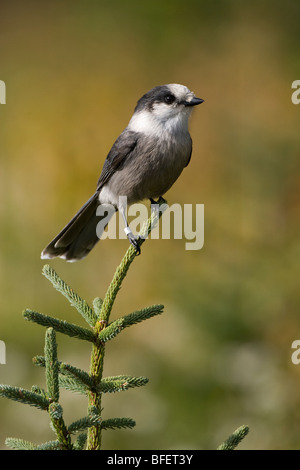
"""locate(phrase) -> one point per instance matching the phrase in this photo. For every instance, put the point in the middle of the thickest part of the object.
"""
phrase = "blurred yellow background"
(220, 355)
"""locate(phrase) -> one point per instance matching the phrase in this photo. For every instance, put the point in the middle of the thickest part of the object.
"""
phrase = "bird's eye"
(169, 99)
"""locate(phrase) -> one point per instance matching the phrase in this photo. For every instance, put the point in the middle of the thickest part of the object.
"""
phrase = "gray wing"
(121, 149)
(79, 236)
(191, 149)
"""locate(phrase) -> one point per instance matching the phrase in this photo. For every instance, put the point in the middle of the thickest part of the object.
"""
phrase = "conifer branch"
(19, 444)
(92, 384)
(51, 365)
(79, 381)
(141, 315)
(236, 437)
(58, 425)
(81, 305)
(112, 330)
(61, 326)
(122, 269)
(75, 378)
(50, 445)
(80, 375)
(39, 361)
(73, 385)
(24, 396)
(97, 358)
(84, 423)
(97, 304)
(80, 442)
(40, 391)
(117, 423)
(59, 374)
(121, 382)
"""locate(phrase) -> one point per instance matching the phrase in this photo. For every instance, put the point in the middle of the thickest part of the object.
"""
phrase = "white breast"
(159, 121)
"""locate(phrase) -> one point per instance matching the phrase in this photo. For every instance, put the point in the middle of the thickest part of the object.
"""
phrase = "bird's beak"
(193, 102)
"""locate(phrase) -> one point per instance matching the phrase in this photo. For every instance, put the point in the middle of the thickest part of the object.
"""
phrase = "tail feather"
(84, 242)
(78, 237)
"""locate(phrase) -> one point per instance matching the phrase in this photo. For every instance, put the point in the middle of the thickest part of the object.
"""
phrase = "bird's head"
(166, 105)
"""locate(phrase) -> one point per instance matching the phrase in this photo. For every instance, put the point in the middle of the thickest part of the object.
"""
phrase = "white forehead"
(180, 91)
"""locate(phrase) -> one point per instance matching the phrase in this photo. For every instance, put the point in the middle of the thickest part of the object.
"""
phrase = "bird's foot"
(156, 205)
(135, 243)
(133, 240)
(159, 201)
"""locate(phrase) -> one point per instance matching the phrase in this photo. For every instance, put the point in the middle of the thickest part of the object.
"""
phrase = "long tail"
(79, 236)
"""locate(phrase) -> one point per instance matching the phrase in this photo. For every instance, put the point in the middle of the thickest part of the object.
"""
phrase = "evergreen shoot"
(86, 432)
(234, 439)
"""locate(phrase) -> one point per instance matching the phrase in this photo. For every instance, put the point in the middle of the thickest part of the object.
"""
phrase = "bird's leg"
(131, 237)
(154, 207)
(155, 204)
(160, 200)
(153, 201)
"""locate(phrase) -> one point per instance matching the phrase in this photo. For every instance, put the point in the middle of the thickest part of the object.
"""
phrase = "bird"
(143, 163)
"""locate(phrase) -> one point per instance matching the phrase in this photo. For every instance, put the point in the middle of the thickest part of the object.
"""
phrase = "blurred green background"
(220, 355)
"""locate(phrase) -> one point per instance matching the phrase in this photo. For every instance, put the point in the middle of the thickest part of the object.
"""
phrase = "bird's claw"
(135, 243)
(158, 202)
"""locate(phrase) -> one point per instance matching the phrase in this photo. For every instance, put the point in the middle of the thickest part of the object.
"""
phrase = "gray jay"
(143, 163)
